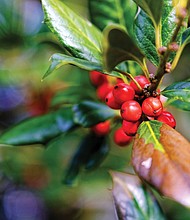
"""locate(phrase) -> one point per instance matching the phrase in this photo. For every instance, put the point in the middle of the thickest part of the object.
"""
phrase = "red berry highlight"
(120, 138)
(168, 118)
(97, 78)
(123, 92)
(131, 111)
(111, 102)
(152, 107)
(102, 128)
(130, 128)
(142, 81)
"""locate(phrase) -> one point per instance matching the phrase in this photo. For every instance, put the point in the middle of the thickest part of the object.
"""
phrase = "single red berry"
(103, 90)
(97, 78)
(123, 92)
(102, 128)
(131, 111)
(110, 101)
(167, 118)
(120, 138)
(142, 81)
(130, 128)
(152, 107)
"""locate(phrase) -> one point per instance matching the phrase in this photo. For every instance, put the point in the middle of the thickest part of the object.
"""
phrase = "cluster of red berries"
(134, 104)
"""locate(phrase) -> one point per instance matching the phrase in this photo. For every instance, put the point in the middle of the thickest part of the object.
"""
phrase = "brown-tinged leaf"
(132, 200)
(163, 160)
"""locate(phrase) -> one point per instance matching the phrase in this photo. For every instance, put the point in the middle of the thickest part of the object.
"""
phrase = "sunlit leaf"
(104, 13)
(77, 35)
(88, 113)
(39, 129)
(161, 156)
(179, 91)
(133, 200)
(59, 60)
(119, 50)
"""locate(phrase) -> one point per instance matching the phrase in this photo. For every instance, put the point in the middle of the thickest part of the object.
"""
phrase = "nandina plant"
(118, 50)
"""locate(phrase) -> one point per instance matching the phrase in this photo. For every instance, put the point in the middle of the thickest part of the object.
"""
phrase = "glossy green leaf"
(178, 94)
(89, 147)
(88, 113)
(169, 25)
(104, 13)
(72, 95)
(161, 157)
(132, 200)
(59, 60)
(145, 37)
(39, 129)
(153, 8)
(116, 51)
(150, 131)
(77, 35)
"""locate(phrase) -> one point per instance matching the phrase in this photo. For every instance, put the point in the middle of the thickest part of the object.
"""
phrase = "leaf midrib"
(158, 145)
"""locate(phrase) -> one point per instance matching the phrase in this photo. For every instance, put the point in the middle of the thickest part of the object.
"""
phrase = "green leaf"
(169, 25)
(72, 95)
(145, 37)
(59, 60)
(186, 36)
(77, 35)
(119, 50)
(98, 153)
(185, 40)
(150, 131)
(89, 147)
(132, 200)
(161, 157)
(104, 13)
(153, 8)
(178, 94)
(89, 113)
(39, 129)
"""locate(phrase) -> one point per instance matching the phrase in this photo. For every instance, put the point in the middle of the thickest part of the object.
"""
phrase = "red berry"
(152, 107)
(131, 111)
(123, 92)
(167, 118)
(120, 138)
(102, 128)
(130, 128)
(119, 80)
(103, 90)
(97, 78)
(142, 81)
(110, 101)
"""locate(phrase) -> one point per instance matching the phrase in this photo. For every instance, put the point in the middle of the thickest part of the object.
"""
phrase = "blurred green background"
(31, 177)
